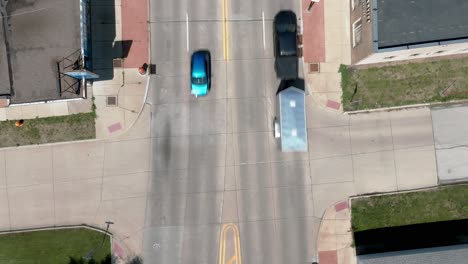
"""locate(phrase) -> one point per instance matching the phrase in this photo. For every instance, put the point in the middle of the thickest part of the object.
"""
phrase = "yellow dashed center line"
(235, 252)
(225, 30)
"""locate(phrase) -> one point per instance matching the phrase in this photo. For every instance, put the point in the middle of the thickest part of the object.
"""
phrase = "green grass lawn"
(48, 130)
(404, 84)
(442, 204)
(52, 247)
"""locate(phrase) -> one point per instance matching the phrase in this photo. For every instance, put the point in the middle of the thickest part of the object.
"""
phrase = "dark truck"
(285, 38)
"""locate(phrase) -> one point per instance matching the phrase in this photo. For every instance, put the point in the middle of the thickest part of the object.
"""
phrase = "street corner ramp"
(229, 245)
(451, 142)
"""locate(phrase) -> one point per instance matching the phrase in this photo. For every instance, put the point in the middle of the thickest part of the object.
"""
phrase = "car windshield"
(286, 27)
(198, 80)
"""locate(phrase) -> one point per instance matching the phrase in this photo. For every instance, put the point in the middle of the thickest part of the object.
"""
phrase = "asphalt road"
(215, 160)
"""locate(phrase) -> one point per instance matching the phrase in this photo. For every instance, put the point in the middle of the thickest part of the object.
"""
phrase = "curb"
(404, 107)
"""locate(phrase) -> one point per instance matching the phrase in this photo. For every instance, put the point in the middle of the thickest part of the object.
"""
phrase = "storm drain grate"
(111, 101)
(314, 67)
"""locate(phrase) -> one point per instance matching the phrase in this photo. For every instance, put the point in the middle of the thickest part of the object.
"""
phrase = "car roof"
(198, 64)
(285, 21)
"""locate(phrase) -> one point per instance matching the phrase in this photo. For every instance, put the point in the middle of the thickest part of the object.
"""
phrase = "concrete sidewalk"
(335, 238)
(327, 43)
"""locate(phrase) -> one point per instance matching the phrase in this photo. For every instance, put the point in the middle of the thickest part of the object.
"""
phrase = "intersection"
(203, 180)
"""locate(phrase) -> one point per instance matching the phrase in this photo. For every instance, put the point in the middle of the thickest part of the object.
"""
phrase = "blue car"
(200, 73)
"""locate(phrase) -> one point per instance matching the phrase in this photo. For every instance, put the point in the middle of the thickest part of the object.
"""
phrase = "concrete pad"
(259, 242)
(131, 103)
(255, 204)
(78, 161)
(249, 115)
(347, 255)
(28, 166)
(31, 202)
(326, 195)
(318, 117)
(171, 120)
(253, 176)
(293, 202)
(77, 202)
(45, 110)
(296, 237)
(450, 128)
(107, 116)
(375, 172)
(330, 67)
(133, 89)
(329, 142)
(333, 53)
(452, 165)
(60, 108)
(170, 153)
(208, 117)
(127, 214)
(3, 115)
(100, 89)
(290, 173)
(80, 106)
(141, 127)
(411, 128)
(126, 157)
(204, 208)
(163, 244)
(230, 213)
(207, 150)
(251, 148)
(198, 244)
(129, 120)
(124, 186)
(29, 111)
(4, 210)
(370, 132)
(327, 239)
(14, 113)
(332, 36)
(332, 170)
(416, 168)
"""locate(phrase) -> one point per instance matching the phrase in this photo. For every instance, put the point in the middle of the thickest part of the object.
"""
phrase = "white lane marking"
(186, 25)
(263, 23)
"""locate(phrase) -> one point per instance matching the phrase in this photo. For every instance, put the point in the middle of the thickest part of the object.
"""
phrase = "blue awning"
(293, 120)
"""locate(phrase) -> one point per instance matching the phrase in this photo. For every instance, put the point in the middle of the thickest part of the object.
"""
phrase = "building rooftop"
(293, 120)
(38, 34)
(404, 23)
(457, 254)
